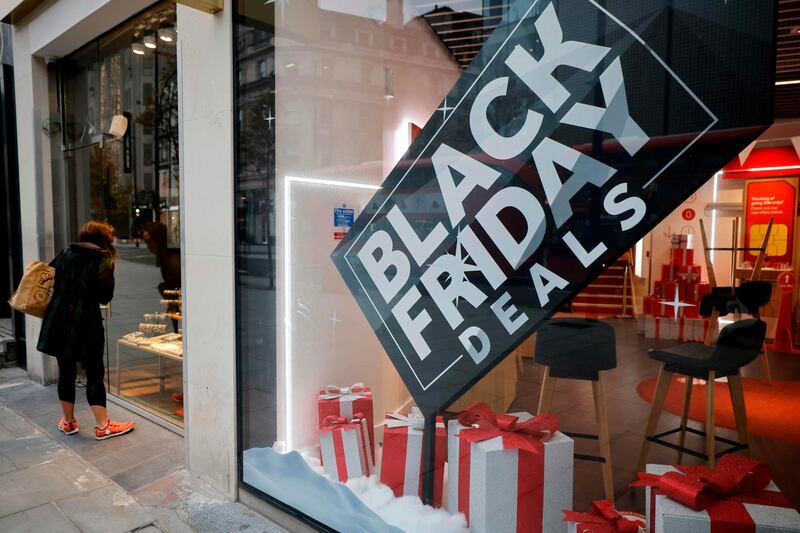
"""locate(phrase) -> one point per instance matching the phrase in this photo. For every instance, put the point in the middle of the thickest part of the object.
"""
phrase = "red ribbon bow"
(603, 518)
(735, 478)
(334, 422)
(484, 424)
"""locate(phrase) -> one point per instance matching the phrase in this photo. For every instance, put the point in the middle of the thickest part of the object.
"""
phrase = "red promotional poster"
(775, 199)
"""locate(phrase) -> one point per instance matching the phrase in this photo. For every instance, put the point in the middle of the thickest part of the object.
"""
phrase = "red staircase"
(603, 297)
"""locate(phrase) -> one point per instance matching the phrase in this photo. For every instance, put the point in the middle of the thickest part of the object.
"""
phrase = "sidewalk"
(58, 483)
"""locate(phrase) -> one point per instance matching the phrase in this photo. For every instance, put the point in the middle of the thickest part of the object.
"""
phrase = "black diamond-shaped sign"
(579, 126)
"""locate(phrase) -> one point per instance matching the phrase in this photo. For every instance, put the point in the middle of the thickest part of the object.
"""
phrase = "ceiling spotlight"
(150, 41)
(138, 49)
(167, 35)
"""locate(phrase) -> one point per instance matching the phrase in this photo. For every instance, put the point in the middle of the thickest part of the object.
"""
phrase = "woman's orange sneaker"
(113, 429)
(70, 428)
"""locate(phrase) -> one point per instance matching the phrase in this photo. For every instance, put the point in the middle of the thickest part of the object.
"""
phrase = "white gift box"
(492, 502)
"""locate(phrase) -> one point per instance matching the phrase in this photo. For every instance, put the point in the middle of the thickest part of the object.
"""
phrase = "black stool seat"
(753, 295)
(739, 344)
(576, 348)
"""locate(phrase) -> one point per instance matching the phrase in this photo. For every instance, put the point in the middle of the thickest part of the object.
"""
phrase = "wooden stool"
(580, 348)
(739, 343)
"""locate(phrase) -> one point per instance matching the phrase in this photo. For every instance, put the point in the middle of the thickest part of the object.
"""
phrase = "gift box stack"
(346, 431)
(681, 277)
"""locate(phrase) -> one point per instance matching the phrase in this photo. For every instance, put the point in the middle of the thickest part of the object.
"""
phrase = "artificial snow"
(288, 478)
(360, 505)
(407, 512)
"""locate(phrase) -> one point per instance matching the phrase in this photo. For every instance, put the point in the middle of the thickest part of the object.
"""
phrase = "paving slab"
(34, 486)
(105, 510)
(33, 450)
(46, 517)
(6, 465)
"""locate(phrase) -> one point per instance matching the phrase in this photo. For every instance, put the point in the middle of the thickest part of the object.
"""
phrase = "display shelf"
(150, 349)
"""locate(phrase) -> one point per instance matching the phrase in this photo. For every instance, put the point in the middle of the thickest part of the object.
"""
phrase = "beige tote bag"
(35, 289)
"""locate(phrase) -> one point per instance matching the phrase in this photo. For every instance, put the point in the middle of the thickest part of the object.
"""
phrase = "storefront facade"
(258, 135)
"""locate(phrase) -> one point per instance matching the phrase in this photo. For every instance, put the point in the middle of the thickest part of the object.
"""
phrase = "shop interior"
(132, 181)
(352, 85)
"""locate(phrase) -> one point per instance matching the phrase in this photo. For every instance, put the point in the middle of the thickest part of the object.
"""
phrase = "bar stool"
(751, 296)
(738, 344)
(579, 348)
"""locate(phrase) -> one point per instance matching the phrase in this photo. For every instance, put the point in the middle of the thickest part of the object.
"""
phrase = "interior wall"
(335, 122)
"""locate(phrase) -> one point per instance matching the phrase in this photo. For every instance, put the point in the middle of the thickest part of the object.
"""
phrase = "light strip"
(714, 217)
(766, 169)
(287, 283)
(788, 82)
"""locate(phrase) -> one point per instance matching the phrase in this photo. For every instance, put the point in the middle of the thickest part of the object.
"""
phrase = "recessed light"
(289, 65)
(167, 35)
(138, 49)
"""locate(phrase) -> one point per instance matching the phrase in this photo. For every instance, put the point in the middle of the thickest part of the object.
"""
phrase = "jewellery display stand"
(158, 335)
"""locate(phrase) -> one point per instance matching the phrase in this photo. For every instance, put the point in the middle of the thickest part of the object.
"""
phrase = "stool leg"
(687, 399)
(765, 364)
(710, 444)
(739, 412)
(604, 440)
(662, 385)
(546, 394)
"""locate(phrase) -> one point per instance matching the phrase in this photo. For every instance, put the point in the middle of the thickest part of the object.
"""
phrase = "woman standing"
(72, 328)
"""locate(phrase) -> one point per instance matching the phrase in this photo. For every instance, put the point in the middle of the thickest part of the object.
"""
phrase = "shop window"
(327, 425)
(134, 185)
(398, 44)
(365, 37)
(327, 31)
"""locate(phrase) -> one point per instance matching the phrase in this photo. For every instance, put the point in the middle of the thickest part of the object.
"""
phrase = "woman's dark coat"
(72, 327)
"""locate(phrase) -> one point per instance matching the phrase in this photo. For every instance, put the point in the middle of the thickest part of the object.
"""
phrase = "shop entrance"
(133, 183)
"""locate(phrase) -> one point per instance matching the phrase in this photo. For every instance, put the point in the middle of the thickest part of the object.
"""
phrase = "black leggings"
(95, 389)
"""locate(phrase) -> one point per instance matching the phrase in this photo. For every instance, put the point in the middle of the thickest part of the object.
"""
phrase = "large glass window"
(133, 183)
(254, 49)
(469, 172)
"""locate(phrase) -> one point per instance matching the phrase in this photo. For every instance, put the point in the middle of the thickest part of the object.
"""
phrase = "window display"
(133, 183)
(420, 188)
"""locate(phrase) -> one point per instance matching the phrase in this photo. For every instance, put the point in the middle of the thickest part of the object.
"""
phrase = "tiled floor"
(628, 413)
(147, 454)
(57, 483)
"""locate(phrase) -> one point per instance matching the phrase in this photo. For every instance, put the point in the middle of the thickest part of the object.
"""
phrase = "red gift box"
(681, 256)
(681, 240)
(346, 401)
(508, 473)
(344, 445)
(736, 496)
(603, 518)
(401, 462)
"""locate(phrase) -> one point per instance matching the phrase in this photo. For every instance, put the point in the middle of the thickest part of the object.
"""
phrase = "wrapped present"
(603, 518)
(345, 447)
(509, 472)
(660, 327)
(681, 241)
(736, 496)
(648, 305)
(401, 462)
(669, 274)
(345, 401)
(681, 256)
